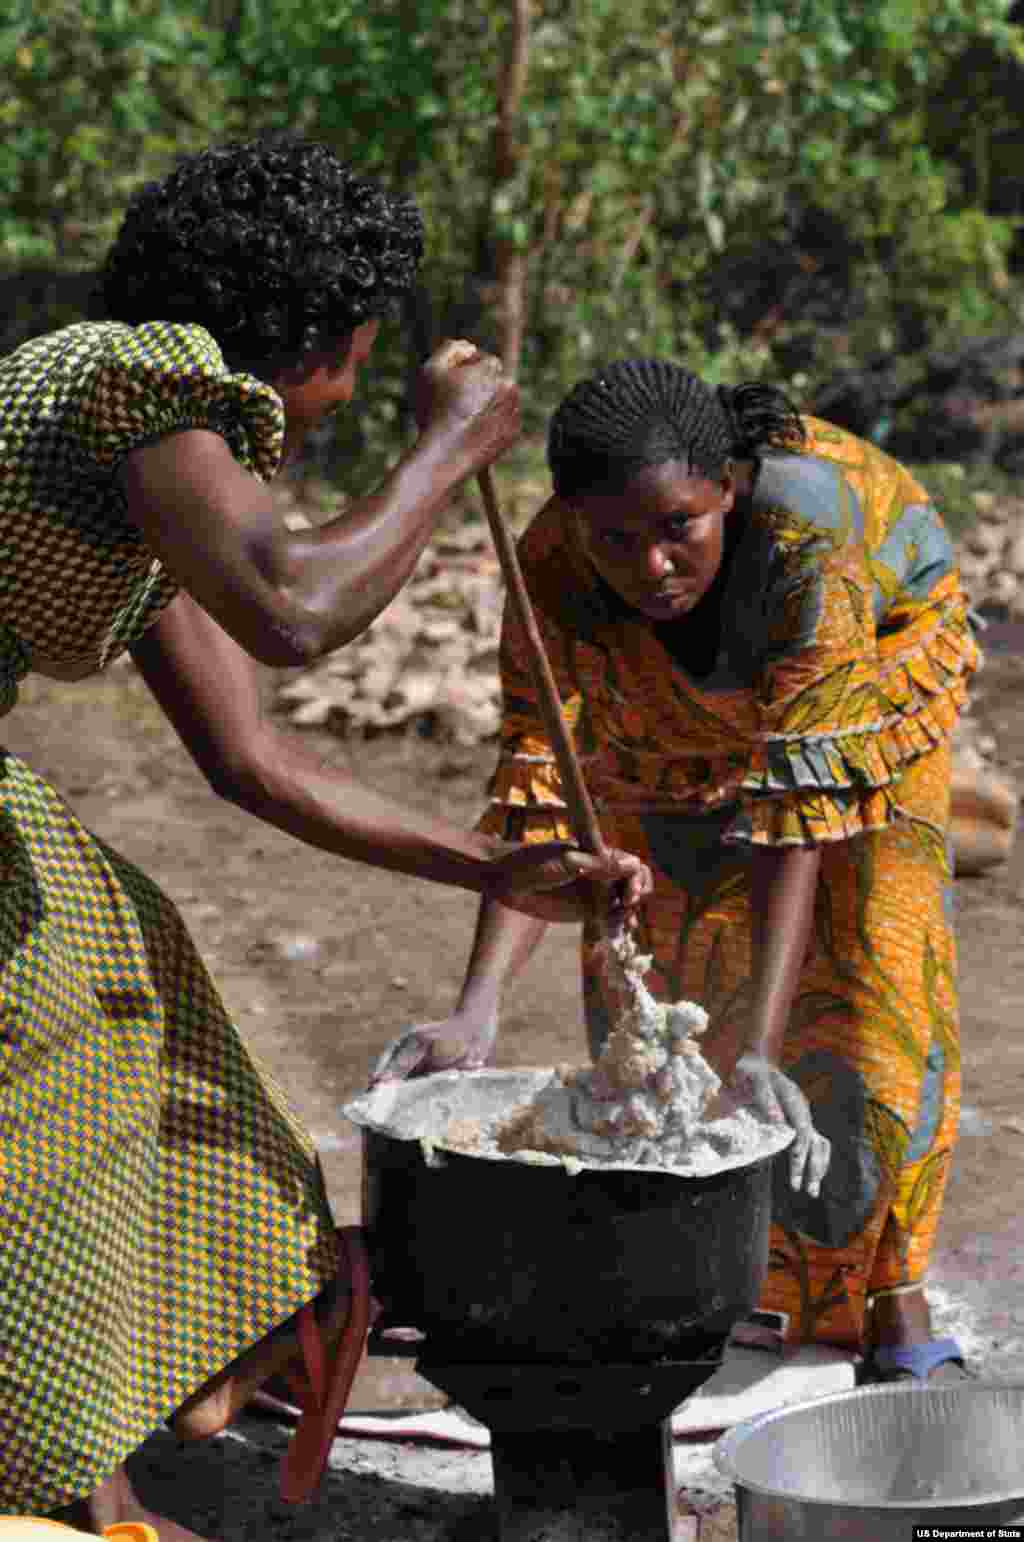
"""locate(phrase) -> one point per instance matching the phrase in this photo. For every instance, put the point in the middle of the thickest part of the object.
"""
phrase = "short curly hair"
(273, 245)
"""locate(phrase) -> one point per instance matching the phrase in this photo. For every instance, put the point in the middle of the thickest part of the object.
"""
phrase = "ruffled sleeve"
(848, 702)
(526, 800)
(161, 377)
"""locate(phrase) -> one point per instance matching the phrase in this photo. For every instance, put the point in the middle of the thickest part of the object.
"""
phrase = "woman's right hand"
(466, 394)
(556, 882)
(463, 1042)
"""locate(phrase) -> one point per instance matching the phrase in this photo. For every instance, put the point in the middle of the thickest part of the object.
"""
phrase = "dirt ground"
(323, 961)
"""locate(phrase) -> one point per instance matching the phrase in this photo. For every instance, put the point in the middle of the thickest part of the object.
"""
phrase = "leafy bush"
(653, 144)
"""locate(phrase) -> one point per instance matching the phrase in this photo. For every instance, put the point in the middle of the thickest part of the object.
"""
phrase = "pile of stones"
(992, 557)
(985, 801)
(429, 661)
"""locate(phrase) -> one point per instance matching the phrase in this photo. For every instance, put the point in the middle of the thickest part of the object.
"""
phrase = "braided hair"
(643, 412)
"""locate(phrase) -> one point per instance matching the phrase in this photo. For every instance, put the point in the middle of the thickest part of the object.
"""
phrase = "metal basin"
(867, 1466)
(500, 1260)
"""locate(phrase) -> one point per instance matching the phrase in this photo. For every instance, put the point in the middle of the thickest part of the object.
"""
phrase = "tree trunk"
(509, 256)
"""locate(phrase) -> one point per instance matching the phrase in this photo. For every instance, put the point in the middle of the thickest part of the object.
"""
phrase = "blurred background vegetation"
(826, 193)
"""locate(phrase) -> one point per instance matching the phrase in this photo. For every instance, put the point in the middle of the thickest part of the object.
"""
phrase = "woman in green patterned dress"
(162, 1214)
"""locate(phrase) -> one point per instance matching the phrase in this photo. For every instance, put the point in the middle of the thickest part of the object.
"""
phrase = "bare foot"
(114, 1503)
(221, 1400)
(132, 1509)
(900, 1320)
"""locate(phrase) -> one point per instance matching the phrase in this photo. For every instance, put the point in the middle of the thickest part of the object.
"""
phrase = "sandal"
(939, 1360)
(323, 1393)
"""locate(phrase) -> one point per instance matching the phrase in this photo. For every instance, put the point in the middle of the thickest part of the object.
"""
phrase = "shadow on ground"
(227, 1489)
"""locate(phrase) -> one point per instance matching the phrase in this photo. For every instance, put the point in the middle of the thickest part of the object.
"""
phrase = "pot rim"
(571, 1165)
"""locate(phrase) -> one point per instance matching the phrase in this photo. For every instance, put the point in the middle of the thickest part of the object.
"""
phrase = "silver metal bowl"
(867, 1466)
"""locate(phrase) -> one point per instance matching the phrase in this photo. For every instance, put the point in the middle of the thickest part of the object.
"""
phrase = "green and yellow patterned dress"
(824, 717)
(160, 1207)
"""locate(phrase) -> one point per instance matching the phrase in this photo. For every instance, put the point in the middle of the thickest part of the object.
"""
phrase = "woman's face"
(659, 543)
(323, 382)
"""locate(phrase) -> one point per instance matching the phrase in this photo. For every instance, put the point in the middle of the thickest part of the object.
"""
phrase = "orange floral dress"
(825, 718)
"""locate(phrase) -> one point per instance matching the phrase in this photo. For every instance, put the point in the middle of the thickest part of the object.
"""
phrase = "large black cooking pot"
(503, 1260)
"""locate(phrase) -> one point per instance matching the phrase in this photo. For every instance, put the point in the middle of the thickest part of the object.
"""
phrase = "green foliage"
(361, 77)
(99, 94)
(654, 138)
(958, 264)
(103, 93)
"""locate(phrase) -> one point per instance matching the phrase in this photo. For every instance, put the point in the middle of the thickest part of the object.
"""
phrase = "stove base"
(586, 1486)
(579, 1454)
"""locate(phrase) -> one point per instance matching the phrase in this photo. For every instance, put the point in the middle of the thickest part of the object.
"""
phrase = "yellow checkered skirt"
(160, 1207)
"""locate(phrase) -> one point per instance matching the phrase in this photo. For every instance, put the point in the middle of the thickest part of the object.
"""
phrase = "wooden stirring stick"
(581, 810)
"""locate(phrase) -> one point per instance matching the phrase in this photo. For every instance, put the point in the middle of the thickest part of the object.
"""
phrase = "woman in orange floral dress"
(762, 646)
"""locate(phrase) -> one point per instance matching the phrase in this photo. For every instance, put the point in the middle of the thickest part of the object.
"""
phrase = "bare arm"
(288, 597)
(504, 942)
(207, 687)
(783, 884)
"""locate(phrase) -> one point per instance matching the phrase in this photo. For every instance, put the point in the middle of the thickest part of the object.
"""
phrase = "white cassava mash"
(644, 1103)
(645, 1100)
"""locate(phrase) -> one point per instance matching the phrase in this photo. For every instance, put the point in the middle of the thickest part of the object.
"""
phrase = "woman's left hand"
(759, 1084)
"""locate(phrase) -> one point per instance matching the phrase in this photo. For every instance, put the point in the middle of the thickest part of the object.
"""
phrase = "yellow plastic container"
(25, 1528)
